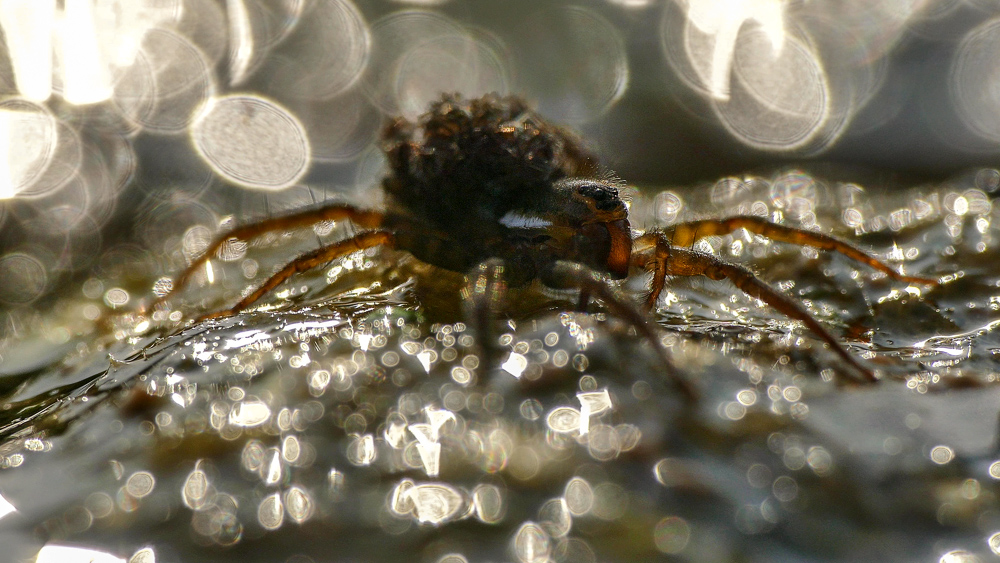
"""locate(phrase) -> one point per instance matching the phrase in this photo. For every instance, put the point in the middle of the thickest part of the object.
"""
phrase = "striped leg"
(684, 234)
(484, 295)
(309, 261)
(666, 260)
(573, 275)
(362, 218)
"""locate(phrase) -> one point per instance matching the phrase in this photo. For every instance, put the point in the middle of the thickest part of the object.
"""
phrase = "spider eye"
(605, 197)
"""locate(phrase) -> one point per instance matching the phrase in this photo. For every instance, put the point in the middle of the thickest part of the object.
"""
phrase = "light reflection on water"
(356, 423)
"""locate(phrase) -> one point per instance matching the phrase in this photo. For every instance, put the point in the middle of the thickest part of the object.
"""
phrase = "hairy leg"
(573, 275)
(360, 217)
(309, 261)
(684, 234)
(666, 260)
(484, 295)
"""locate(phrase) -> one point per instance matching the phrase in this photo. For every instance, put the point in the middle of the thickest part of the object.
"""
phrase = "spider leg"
(308, 261)
(573, 275)
(684, 234)
(484, 295)
(362, 218)
(666, 260)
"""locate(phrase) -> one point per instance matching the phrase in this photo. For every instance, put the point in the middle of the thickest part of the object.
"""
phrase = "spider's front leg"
(685, 234)
(484, 295)
(360, 217)
(664, 260)
(573, 275)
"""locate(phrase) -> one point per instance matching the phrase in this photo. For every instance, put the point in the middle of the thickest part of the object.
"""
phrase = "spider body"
(490, 179)
(489, 189)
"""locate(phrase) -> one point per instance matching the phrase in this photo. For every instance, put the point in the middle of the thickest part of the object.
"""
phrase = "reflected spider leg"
(360, 217)
(685, 234)
(484, 296)
(573, 275)
(308, 261)
(666, 260)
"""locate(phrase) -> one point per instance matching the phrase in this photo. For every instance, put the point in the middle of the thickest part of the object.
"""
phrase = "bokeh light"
(574, 61)
(973, 80)
(252, 142)
(133, 132)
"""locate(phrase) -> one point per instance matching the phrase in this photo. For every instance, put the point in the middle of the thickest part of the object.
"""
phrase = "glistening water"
(344, 421)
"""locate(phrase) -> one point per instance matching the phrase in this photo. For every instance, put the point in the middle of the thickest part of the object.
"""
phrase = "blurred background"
(134, 129)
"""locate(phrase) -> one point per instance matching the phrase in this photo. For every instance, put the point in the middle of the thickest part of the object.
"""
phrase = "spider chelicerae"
(488, 188)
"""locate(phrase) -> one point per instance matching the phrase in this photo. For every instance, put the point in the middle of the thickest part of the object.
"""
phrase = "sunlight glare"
(7, 190)
(69, 554)
(85, 79)
(242, 44)
(26, 26)
(723, 19)
(6, 507)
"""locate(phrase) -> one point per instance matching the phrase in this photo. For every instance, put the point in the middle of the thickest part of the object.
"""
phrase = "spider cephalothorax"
(487, 188)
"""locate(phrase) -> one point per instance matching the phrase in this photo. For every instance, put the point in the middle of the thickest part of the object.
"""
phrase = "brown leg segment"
(684, 234)
(567, 275)
(672, 261)
(309, 261)
(484, 295)
(360, 217)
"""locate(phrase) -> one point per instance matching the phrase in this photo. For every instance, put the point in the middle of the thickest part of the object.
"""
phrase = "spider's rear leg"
(360, 217)
(685, 234)
(573, 275)
(309, 261)
(666, 260)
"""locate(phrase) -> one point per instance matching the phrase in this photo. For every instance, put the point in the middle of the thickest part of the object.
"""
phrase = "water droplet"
(361, 451)
(140, 484)
(602, 443)
(531, 409)
(995, 470)
(144, 555)
(532, 544)
(671, 534)
(249, 413)
(298, 504)
(563, 420)
(942, 454)
(994, 541)
(785, 488)
(579, 496)
(194, 493)
(252, 142)
(68, 554)
(435, 503)
(610, 501)
(23, 278)
(487, 503)
(555, 517)
(959, 556)
(290, 449)
(594, 403)
(758, 475)
(515, 364)
(270, 512)
(747, 397)
(271, 471)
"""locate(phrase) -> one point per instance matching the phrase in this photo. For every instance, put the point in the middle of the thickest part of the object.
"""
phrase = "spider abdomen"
(473, 161)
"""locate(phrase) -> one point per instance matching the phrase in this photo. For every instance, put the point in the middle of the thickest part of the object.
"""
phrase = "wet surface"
(345, 420)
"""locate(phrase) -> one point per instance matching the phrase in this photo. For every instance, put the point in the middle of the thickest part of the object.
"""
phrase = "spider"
(488, 188)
